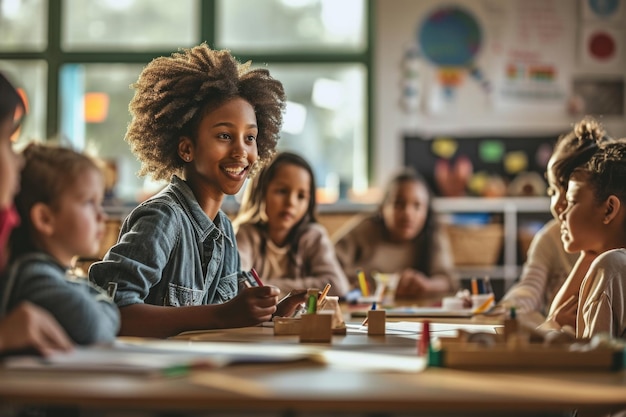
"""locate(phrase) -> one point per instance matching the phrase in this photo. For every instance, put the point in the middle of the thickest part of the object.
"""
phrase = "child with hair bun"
(548, 264)
(593, 298)
(205, 122)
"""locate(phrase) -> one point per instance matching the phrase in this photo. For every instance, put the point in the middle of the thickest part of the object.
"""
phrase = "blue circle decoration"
(604, 8)
(450, 37)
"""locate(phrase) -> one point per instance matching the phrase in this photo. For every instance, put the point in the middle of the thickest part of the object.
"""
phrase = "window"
(76, 61)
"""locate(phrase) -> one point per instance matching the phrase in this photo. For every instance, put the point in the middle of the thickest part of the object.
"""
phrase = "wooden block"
(316, 328)
(376, 320)
(287, 326)
(476, 356)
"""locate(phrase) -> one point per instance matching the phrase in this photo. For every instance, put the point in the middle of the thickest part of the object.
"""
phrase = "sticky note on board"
(491, 151)
(444, 147)
(515, 162)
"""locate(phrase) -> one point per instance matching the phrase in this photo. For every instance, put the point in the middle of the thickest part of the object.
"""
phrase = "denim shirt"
(170, 253)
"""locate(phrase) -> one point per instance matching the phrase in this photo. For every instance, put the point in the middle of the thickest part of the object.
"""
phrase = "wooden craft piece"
(316, 328)
(376, 320)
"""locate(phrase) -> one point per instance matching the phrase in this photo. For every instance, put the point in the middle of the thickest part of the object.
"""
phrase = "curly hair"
(606, 171)
(173, 93)
(577, 147)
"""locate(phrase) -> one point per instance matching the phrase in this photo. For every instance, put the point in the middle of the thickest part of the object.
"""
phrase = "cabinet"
(510, 209)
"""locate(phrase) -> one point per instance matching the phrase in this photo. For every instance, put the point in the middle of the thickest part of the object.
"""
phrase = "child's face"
(225, 147)
(9, 165)
(288, 196)
(78, 217)
(405, 211)
(582, 220)
(555, 191)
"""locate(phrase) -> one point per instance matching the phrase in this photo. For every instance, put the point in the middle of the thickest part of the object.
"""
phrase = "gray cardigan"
(84, 310)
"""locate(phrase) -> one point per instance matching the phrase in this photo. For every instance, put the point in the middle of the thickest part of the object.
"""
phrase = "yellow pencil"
(363, 283)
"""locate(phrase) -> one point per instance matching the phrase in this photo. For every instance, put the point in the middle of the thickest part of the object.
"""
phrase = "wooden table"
(304, 387)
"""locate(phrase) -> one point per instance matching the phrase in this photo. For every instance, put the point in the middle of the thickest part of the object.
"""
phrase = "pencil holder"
(330, 305)
(376, 322)
(482, 302)
(316, 328)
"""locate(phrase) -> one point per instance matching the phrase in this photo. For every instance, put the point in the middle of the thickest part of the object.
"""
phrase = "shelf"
(510, 208)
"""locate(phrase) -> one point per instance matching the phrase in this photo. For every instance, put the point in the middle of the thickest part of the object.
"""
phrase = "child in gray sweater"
(61, 218)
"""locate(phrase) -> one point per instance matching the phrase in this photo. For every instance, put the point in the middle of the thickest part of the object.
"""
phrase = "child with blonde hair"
(60, 206)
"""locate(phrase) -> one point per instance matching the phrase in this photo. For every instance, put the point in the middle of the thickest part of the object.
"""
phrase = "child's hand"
(411, 284)
(251, 306)
(29, 326)
(288, 305)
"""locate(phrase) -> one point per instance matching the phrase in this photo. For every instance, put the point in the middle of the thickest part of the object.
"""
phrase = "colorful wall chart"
(450, 37)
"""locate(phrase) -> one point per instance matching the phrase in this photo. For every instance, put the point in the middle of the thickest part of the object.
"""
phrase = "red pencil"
(256, 277)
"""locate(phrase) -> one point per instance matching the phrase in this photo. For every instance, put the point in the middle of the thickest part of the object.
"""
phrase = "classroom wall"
(548, 33)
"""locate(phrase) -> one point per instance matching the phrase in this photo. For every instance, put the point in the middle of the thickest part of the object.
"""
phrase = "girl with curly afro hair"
(203, 121)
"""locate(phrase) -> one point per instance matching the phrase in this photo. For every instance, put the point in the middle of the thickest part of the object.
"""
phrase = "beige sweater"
(312, 266)
(602, 301)
(544, 271)
(362, 244)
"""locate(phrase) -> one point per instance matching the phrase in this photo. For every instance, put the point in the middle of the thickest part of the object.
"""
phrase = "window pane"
(30, 76)
(294, 25)
(325, 122)
(94, 116)
(129, 24)
(23, 25)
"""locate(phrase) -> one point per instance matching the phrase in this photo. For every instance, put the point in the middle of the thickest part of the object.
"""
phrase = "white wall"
(473, 113)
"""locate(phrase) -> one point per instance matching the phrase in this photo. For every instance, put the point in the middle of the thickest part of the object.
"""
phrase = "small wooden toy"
(376, 320)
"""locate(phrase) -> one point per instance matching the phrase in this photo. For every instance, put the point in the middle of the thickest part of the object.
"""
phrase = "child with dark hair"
(594, 225)
(277, 231)
(548, 264)
(402, 237)
(205, 122)
(25, 326)
(60, 205)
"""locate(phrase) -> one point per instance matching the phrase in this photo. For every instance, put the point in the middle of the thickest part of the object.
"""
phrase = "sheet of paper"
(413, 329)
(419, 312)
(166, 357)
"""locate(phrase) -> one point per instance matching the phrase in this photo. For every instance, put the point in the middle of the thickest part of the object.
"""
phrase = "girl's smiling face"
(224, 149)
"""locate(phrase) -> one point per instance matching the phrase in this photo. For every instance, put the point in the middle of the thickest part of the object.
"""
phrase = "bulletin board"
(419, 153)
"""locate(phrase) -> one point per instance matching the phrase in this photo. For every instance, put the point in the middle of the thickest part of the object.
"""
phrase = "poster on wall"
(602, 47)
(539, 44)
(607, 11)
(486, 56)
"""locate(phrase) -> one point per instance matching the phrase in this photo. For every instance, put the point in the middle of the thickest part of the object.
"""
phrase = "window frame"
(55, 58)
